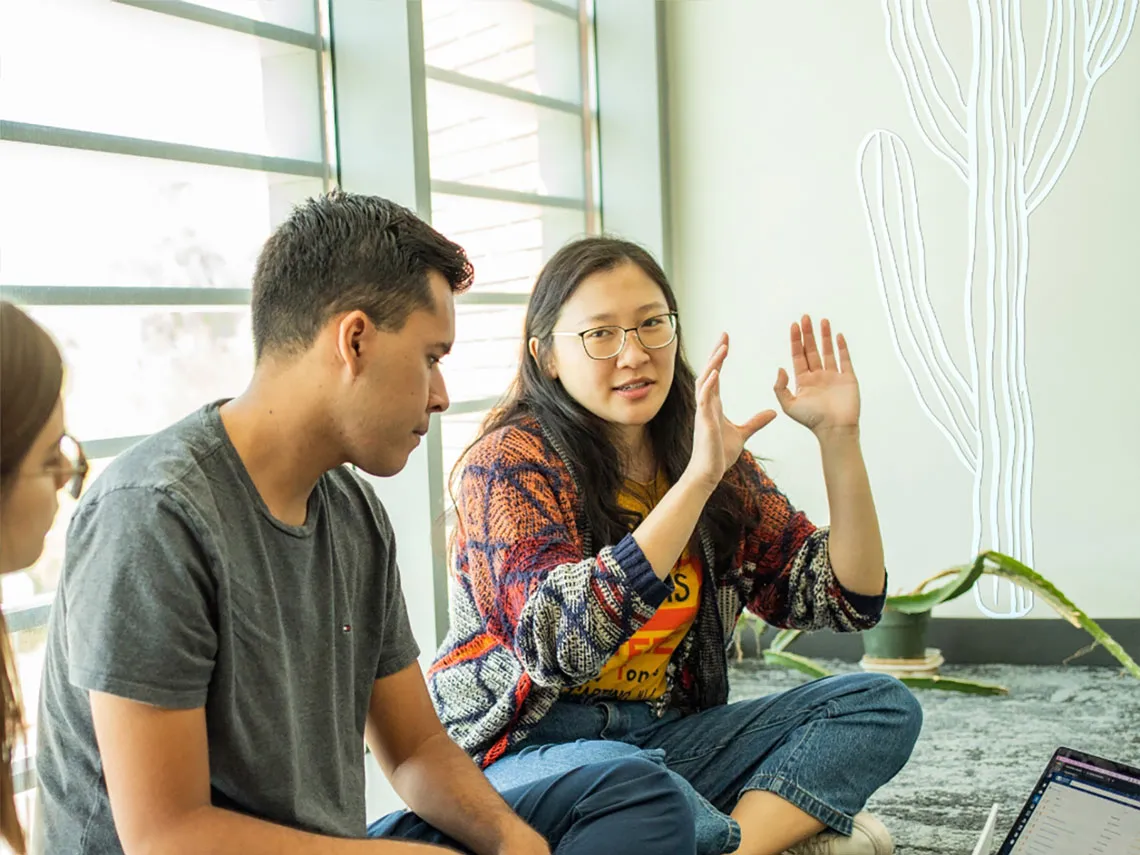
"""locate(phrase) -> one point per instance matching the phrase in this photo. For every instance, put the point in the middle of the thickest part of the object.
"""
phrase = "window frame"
(625, 132)
(34, 613)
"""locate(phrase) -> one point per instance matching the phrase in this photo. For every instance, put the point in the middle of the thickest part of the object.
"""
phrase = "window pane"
(116, 69)
(507, 242)
(490, 141)
(488, 339)
(135, 369)
(71, 217)
(505, 41)
(295, 14)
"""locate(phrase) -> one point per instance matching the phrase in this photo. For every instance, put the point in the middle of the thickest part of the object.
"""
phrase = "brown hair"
(31, 378)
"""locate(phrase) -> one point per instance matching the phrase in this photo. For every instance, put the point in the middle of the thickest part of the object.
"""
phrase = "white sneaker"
(869, 837)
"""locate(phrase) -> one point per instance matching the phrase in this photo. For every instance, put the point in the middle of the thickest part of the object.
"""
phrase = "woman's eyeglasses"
(71, 469)
(607, 342)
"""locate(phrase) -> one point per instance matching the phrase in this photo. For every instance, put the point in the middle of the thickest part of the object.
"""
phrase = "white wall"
(769, 103)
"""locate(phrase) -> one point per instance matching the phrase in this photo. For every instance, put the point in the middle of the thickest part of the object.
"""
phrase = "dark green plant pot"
(897, 636)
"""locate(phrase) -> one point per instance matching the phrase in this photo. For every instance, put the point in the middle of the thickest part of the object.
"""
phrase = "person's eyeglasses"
(607, 342)
(71, 470)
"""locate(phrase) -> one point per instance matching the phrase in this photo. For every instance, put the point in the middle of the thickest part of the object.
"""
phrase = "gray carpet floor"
(975, 751)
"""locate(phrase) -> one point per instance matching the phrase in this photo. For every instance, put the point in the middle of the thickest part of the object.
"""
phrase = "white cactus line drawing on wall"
(1008, 132)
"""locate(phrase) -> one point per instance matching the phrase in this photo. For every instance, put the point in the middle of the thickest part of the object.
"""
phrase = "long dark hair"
(31, 378)
(583, 437)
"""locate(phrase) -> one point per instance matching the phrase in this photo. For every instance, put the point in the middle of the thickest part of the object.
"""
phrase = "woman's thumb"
(757, 422)
(783, 393)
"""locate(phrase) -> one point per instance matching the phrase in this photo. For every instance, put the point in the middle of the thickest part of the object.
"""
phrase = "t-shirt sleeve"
(398, 648)
(138, 600)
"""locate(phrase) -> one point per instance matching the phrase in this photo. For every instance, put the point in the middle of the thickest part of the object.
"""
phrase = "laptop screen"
(1080, 804)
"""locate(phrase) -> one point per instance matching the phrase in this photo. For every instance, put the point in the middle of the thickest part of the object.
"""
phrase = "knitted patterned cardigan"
(534, 609)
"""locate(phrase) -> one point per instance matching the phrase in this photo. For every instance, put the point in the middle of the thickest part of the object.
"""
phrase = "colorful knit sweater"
(534, 609)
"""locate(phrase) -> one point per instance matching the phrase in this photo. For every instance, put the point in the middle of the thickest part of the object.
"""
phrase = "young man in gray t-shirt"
(230, 627)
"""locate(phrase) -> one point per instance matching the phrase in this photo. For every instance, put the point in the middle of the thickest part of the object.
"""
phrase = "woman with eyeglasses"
(610, 529)
(37, 460)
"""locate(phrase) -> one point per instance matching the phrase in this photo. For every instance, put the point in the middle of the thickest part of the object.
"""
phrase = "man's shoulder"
(181, 472)
(163, 459)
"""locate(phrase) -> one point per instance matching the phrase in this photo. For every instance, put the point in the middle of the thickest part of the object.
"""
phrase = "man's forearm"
(855, 543)
(445, 788)
(213, 831)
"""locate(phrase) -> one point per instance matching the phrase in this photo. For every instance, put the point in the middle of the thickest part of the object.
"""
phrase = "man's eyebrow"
(444, 346)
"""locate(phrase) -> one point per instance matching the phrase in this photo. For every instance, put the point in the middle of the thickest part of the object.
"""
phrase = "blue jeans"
(825, 746)
(626, 804)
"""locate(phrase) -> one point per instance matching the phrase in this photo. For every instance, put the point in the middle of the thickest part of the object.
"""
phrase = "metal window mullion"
(24, 774)
(495, 194)
(229, 21)
(590, 164)
(325, 91)
(500, 90)
(101, 449)
(81, 295)
(633, 146)
(492, 298)
(23, 132)
(472, 405)
(555, 7)
(30, 614)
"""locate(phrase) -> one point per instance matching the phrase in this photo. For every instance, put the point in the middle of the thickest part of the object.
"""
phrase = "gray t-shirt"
(181, 590)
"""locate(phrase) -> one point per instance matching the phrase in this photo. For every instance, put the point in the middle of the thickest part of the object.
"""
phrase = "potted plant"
(898, 644)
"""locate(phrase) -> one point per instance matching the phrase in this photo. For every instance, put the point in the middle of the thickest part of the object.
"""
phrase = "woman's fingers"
(716, 360)
(829, 362)
(811, 349)
(799, 357)
(845, 356)
(705, 392)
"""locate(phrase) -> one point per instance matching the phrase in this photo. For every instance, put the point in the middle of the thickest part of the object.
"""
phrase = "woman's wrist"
(697, 483)
(837, 437)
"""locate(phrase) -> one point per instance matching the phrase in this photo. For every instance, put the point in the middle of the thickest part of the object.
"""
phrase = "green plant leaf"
(795, 662)
(784, 638)
(1005, 567)
(951, 684)
(912, 604)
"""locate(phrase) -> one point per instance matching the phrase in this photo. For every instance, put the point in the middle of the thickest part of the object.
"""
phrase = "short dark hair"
(344, 251)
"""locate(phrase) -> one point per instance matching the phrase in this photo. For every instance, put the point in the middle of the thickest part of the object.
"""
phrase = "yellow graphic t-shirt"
(637, 671)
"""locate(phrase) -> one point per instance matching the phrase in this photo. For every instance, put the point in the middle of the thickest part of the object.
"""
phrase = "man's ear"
(352, 332)
(548, 368)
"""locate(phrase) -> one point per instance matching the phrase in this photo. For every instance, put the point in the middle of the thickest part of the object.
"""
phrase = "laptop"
(1081, 804)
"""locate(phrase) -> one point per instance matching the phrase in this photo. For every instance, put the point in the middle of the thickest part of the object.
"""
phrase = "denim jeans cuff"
(805, 801)
(732, 835)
